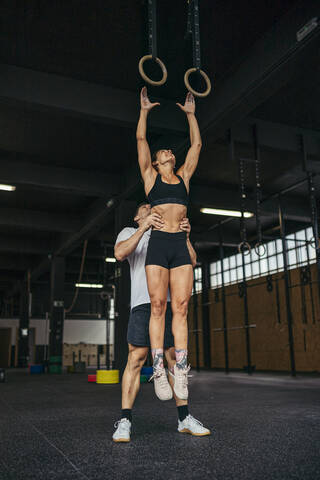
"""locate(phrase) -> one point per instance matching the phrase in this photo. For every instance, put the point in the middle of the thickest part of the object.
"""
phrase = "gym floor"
(60, 427)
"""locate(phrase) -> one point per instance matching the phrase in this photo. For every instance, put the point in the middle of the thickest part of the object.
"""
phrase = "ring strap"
(196, 36)
(258, 184)
(193, 28)
(152, 28)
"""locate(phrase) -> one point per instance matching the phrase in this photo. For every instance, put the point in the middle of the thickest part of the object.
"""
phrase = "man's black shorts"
(138, 326)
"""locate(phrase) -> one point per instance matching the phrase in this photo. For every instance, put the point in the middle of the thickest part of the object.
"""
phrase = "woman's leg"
(181, 281)
(157, 279)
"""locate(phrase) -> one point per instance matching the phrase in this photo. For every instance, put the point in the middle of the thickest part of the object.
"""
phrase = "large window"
(298, 254)
(197, 280)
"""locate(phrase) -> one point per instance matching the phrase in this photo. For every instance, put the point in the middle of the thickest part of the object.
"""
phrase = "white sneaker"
(193, 426)
(161, 384)
(181, 381)
(123, 431)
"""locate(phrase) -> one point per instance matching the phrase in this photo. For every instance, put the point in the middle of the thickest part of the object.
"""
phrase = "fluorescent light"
(111, 260)
(89, 285)
(227, 213)
(8, 188)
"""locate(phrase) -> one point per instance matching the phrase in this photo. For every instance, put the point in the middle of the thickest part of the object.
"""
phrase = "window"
(298, 254)
(198, 279)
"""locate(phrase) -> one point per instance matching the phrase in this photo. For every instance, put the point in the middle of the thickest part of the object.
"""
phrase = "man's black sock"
(183, 412)
(127, 413)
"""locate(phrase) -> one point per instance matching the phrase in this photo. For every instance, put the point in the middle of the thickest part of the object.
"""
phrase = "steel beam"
(38, 220)
(70, 180)
(49, 92)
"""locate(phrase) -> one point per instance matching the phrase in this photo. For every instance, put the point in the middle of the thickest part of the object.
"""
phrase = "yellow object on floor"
(107, 376)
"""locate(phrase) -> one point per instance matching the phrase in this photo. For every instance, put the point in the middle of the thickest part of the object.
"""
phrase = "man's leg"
(186, 423)
(130, 387)
(131, 376)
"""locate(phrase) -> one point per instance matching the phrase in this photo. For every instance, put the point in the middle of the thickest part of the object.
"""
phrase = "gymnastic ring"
(257, 249)
(206, 78)
(163, 68)
(312, 243)
(247, 246)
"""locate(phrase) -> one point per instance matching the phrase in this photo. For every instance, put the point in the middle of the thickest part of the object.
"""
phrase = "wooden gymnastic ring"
(257, 249)
(247, 246)
(163, 68)
(206, 78)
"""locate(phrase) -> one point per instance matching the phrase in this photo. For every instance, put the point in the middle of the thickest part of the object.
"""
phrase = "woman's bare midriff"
(172, 214)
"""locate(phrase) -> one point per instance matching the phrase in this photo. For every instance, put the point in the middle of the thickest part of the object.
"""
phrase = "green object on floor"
(55, 364)
(144, 379)
(55, 368)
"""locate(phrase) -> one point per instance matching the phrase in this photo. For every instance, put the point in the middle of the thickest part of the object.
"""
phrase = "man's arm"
(124, 248)
(187, 169)
(144, 156)
(192, 252)
(186, 227)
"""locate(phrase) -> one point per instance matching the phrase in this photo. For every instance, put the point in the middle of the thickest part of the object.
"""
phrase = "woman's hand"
(189, 105)
(185, 226)
(145, 102)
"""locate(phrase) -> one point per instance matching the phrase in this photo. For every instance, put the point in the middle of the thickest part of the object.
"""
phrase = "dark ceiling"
(69, 87)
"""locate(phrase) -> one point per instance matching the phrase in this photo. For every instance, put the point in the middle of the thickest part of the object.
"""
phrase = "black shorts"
(168, 250)
(138, 326)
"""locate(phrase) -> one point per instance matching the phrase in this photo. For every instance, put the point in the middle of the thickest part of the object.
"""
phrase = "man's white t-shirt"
(139, 288)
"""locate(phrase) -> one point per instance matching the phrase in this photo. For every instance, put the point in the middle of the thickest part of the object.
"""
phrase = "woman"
(168, 261)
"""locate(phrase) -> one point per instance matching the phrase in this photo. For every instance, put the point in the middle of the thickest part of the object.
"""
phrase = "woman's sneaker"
(123, 431)
(193, 426)
(161, 384)
(181, 382)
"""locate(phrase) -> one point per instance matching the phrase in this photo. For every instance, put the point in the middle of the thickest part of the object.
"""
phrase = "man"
(131, 244)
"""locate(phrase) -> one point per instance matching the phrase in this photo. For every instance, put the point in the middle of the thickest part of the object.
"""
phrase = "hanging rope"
(243, 246)
(153, 48)
(193, 28)
(259, 247)
(76, 293)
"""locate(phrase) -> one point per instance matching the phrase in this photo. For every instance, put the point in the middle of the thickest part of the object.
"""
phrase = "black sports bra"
(162, 192)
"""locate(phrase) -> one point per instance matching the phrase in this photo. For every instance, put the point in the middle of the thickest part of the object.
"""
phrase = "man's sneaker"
(181, 382)
(161, 384)
(123, 430)
(193, 426)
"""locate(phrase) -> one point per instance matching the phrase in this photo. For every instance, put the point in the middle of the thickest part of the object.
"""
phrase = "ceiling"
(69, 87)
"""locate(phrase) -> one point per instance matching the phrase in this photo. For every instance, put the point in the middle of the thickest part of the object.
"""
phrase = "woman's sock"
(157, 355)
(181, 359)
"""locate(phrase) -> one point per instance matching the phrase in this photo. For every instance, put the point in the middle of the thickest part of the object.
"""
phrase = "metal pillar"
(23, 340)
(206, 314)
(123, 218)
(313, 209)
(224, 307)
(56, 314)
(287, 288)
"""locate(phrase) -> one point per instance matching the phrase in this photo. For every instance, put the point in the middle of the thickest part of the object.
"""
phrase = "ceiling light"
(7, 188)
(227, 213)
(111, 260)
(89, 285)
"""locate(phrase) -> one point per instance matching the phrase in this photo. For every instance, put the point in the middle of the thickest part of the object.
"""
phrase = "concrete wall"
(75, 331)
(269, 339)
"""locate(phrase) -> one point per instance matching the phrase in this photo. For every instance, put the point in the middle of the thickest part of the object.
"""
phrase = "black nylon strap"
(242, 193)
(193, 28)
(196, 36)
(152, 27)
(258, 185)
